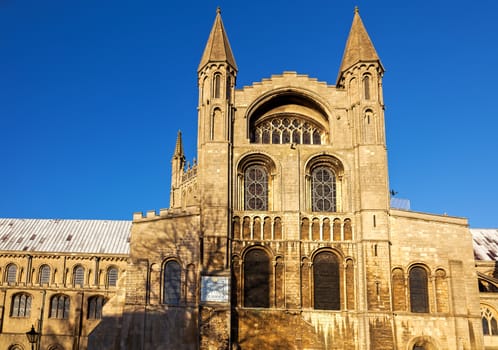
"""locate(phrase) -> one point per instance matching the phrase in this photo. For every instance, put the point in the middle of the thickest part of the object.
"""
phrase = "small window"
(217, 85)
(172, 283)
(419, 298)
(95, 305)
(256, 188)
(366, 87)
(21, 305)
(11, 273)
(112, 277)
(59, 306)
(44, 274)
(79, 276)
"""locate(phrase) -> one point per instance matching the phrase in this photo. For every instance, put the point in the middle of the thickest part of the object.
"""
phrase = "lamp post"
(32, 337)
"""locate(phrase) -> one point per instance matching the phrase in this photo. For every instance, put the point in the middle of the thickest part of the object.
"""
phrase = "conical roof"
(179, 146)
(217, 48)
(359, 47)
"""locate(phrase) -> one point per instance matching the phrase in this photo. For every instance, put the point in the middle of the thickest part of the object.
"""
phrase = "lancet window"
(172, 283)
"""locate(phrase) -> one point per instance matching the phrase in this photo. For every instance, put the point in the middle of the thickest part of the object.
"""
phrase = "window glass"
(256, 188)
(257, 279)
(419, 300)
(323, 189)
(172, 283)
(326, 282)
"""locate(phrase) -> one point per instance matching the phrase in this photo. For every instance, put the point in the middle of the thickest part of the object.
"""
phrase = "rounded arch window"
(326, 281)
(44, 274)
(257, 276)
(419, 294)
(324, 176)
(172, 283)
(256, 187)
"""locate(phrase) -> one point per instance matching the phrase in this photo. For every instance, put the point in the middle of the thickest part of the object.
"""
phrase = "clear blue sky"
(92, 94)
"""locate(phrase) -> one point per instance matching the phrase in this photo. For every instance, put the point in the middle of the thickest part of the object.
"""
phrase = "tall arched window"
(172, 283)
(11, 276)
(112, 277)
(419, 297)
(256, 188)
(217, 86)
(44, 274)
(489, 324)
(257, 273)
(78, 276)
(95, 305)
(366, 87)
(59, 306)
(326, 282)
(323, 189)
(21, 305)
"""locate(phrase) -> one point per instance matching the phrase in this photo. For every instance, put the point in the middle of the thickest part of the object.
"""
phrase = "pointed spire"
(179, 147)
(359, 47)
(217, 47)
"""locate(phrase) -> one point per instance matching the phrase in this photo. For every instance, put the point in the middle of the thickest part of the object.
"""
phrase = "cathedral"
(281, 235)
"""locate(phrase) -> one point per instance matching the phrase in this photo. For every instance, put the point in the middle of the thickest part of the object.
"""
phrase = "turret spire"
(359, 47)
(217, 48)
(179, 146)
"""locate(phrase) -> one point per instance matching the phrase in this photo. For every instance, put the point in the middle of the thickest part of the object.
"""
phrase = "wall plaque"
(215, 289)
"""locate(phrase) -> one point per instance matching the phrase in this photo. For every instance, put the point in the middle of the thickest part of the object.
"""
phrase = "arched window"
(419, 297)
(217, 86)
(489, 324)
(257, 273)
(366, 87)
(44, 274)
(78, 276)
(15, 347)
(172, 283)
(11, 276)
(112, 277)
(21, 305)
(59, 306)
(256, 188)
(95, 305)
(323, 189)
(326, 282)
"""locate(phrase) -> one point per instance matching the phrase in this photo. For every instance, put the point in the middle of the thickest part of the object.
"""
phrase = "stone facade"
(281, 236)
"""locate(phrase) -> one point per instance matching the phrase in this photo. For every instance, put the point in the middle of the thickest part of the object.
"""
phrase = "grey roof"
(485, 243)
(65, 236)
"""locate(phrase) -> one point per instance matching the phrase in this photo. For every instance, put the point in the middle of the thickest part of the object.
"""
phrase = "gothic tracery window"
(489, 324)
(323, 189)
(256, 188)
(287, 129)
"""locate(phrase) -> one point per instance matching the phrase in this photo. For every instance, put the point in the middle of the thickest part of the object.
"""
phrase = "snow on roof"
(65, 236)
(485, 243)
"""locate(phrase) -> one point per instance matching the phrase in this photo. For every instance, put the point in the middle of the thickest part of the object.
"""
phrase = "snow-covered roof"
(485, 243)
(65, 236)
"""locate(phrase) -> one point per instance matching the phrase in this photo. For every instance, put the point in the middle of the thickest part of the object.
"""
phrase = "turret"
(177, 169)
(216, 73)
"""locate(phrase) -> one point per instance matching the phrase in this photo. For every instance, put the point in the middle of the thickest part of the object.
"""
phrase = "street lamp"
(32, 337)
